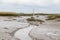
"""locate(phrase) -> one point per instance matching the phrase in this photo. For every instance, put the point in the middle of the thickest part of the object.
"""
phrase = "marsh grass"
(26, 14)
(32, 19)
(52, 17)
(8, 14)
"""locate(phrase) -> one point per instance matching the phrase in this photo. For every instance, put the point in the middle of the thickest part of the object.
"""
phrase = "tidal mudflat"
(18, 28)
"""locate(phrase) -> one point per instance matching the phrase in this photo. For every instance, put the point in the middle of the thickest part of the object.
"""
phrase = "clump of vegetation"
(33, 19)
(14, 19)
(52, 17)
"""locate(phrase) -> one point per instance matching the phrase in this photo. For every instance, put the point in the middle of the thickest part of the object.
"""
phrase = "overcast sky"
(46, 6)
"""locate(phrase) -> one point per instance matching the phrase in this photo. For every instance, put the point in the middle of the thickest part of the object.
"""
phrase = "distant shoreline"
(22, 14)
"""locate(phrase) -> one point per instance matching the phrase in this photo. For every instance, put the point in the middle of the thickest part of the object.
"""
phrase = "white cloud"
(7, 1)
(10, 4)
(56, 1)
(33, 2)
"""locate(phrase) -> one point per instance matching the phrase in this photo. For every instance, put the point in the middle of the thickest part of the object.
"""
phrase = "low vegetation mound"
(52, 17)
(33, 19)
